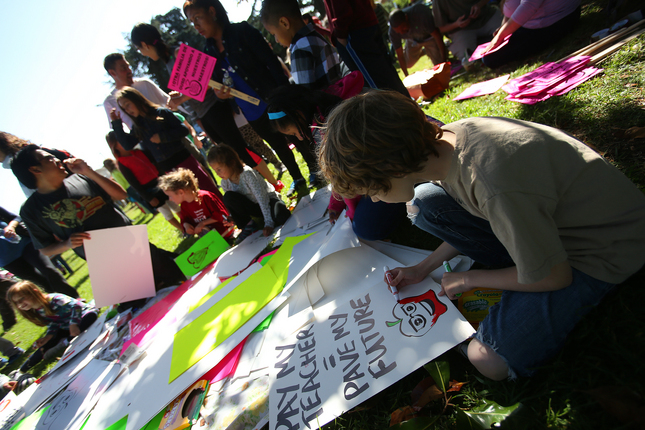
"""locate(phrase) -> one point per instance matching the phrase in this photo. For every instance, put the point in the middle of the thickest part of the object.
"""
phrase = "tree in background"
(175, 29)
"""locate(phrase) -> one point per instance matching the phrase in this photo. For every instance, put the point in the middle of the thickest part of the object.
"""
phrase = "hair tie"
(277, 115)
(155, 42)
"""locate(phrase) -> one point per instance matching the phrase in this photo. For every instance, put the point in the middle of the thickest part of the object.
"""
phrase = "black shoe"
(299, 186)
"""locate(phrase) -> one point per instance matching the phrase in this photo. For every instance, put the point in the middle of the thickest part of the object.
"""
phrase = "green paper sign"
(209, 330)
(202, 253)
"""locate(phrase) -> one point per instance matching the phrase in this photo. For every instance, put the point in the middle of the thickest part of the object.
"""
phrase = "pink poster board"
(192, 72)
(479, 51)
(152, 321)
(483, 88)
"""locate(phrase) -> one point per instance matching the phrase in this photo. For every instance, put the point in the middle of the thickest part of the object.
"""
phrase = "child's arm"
(255, 183)
(303, 69)
(174, 130)
(114, 190)
(264, 54)
(504, 279)
(127, 140)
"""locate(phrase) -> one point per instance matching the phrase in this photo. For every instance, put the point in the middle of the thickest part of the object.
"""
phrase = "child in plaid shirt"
(314, 62)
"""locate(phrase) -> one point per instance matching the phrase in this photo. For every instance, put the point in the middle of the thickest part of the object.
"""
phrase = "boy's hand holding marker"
(389, 282)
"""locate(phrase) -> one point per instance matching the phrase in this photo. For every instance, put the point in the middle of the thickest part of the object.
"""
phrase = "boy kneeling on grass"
(557, 223)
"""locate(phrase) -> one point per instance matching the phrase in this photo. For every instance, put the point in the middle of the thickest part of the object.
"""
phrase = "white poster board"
(357, 348)
(118, 260)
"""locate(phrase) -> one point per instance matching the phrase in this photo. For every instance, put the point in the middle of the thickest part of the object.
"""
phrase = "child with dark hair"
(65, 208)
(215, 116)
(245, 61)
(64, 316)
(247, 195)
(314, 62)
(300, 112)
(159, 132)
(200, 210)
(559, 223)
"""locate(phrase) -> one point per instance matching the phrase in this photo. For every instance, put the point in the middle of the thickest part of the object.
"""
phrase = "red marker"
(393, 289)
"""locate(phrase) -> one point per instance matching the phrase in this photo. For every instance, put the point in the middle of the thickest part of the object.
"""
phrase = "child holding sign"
(160, 132)
(200, 210)
(562, 224)
(245, 62)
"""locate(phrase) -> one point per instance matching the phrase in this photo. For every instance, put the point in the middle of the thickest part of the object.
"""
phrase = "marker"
(393, 289)
(446, 266)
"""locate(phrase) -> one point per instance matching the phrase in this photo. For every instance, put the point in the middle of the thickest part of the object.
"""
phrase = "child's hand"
(76, 239)
(155, 138)
(463, 21)
(402, 276)
(9, 385)
(175, 100)
(74, 330)
(223, 93)
(114, 114)
(189, 229)
(76, 165)
(474, 12)
(198, 228)
(267, 231)
(453, 283)
(333, 216)
(43, 340)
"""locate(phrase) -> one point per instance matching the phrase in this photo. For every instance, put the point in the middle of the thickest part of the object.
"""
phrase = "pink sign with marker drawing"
(192, 72)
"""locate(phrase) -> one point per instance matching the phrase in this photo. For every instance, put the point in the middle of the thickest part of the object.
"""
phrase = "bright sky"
(52, 79)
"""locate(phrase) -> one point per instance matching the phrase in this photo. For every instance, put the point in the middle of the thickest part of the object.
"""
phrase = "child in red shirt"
(200, 210)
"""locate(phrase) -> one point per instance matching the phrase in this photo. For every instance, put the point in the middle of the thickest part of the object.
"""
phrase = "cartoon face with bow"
(415, 316)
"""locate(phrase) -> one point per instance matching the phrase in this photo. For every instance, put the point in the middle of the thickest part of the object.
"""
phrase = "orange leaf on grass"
(455, 386)
(425, 392)
(402, 414)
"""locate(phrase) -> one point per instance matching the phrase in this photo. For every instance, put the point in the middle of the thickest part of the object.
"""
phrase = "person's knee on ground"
(487, 361)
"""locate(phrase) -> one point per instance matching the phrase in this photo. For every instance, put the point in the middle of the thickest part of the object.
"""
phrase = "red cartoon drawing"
(416, 315)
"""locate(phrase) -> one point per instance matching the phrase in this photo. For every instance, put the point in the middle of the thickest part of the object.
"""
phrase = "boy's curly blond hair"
(372, 138)
(180, 179)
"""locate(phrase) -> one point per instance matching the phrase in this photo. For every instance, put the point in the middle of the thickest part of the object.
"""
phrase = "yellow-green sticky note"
(209, 295)
(209, 330)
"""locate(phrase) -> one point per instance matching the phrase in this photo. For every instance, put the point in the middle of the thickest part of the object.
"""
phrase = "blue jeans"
(376, 220)
(525, 329)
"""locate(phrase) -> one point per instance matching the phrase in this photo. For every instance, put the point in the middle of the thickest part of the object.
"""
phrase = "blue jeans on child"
(525, 329)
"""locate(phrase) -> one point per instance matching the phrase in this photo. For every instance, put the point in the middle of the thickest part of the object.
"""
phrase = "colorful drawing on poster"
(202, 253)
(416, 315)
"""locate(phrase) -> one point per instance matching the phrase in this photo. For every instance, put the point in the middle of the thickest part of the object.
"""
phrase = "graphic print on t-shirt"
(69, 213)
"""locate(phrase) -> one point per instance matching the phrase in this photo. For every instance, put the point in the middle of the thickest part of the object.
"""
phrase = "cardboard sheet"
(318, 246)
(483, 88)
(223, 319)
(239, 257)
(70, 408)
(118, 260)
(131, 396)
(356, 348)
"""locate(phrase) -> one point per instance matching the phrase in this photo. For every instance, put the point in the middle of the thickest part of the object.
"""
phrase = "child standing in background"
(64, 316)
(159, 132)
(314, 62)
(247, 194)
(200, 210)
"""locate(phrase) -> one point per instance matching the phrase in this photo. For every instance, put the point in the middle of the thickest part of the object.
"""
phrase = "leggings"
(220, 125)
(278, 142)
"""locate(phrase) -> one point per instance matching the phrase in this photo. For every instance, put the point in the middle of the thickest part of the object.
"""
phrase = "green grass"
(599, 372)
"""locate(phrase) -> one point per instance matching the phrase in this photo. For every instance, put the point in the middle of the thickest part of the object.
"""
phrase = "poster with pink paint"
(483, 88)
(479, 51)
(192, 72)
